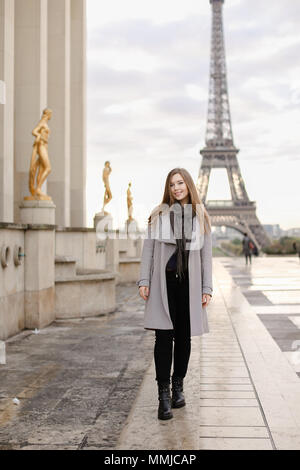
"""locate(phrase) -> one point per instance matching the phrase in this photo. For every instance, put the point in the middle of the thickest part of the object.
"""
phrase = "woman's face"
(179, 189)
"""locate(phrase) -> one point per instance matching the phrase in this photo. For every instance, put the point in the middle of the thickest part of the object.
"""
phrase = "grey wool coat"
(157, 249)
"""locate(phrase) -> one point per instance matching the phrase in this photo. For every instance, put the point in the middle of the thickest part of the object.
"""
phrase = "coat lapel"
(157, 315)
(168, 247)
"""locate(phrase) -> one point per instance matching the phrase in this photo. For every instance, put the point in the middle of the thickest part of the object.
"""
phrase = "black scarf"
(179, 229)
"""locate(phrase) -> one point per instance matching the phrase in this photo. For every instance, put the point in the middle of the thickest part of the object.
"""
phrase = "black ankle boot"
(164, 409)
(177, 392)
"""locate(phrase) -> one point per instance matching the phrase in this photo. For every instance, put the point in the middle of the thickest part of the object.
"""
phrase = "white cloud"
(157, 11)
(196, 92)
(120, 59)
(137, 107)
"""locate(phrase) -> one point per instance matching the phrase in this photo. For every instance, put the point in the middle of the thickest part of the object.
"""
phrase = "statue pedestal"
(38, 212)
(131, 226)
(103, 220)
(103, 223)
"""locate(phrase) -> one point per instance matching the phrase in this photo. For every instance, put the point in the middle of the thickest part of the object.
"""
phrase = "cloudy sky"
(148, 76)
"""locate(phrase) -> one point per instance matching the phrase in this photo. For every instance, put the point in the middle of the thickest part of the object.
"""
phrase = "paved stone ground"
(222, 409)
(242, 390)
(89, 384)
(76, 380)
(272, 287)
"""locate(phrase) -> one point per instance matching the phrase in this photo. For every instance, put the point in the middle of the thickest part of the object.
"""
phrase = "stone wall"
(48, 273)
(12, 280)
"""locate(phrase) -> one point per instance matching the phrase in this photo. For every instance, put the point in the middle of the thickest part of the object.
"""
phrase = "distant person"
(247, 248)
(296, 249)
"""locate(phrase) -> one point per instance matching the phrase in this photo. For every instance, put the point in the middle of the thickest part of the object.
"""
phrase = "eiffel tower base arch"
(241, 219)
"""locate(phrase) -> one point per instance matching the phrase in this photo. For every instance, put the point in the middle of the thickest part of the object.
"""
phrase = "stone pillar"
(30, 87)
(2, 353)
(78, 113)
(2, 91)
(112, 256)
(59, 18)
(39, 276)
(139, 246)
(6, 110)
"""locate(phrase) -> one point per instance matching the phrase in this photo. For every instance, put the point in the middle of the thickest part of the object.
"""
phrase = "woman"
(176, 282)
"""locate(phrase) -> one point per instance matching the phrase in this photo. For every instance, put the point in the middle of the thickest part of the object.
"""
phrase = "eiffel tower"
(220, 151)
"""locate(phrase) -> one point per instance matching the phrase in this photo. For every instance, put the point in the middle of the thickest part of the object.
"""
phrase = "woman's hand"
(206, 298)
(144, 292)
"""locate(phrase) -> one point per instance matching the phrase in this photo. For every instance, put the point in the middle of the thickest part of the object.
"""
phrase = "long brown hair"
(168, 199)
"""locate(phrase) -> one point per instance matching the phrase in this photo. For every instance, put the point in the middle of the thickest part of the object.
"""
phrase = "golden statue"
(40, 164)
(129, 202)
(107, 195)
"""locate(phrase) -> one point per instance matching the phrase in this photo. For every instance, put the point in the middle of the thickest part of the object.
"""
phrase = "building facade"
(43, 65)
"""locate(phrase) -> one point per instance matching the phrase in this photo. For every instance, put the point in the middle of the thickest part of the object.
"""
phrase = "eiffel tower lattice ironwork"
(220, 151)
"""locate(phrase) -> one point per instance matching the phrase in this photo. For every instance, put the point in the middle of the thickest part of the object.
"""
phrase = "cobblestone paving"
(76, 380)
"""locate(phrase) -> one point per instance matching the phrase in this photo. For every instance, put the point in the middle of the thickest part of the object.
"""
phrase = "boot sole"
(179, 405)
(165, 417)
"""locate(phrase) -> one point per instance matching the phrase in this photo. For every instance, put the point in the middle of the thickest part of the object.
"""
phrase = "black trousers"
(178, 299)
(248, 256)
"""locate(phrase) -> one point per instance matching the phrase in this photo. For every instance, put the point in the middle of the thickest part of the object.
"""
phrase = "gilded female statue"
(129, 202)
(40, 163)
(105, 176)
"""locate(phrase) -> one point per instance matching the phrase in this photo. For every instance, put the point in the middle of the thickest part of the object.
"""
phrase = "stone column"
(59, 18)
(6, 110)
(30, 87)
(39, 276)
(78, 113)
(112, 256)
(2, 353)
(139, 246)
